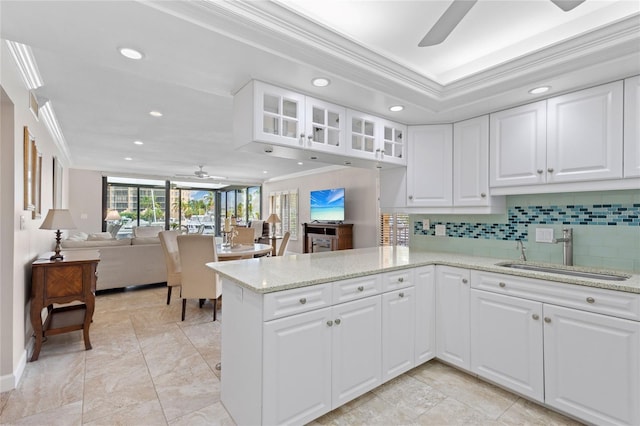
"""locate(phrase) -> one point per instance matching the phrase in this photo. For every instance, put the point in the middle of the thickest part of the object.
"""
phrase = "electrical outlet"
(425, 225)
(544, 235)
(441, 230)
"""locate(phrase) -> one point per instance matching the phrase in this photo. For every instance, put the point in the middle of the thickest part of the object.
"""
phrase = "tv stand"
(327, 237)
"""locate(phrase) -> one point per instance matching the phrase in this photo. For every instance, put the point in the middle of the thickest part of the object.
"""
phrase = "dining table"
(242, 251)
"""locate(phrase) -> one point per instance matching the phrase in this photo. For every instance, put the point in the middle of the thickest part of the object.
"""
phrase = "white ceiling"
(198, 53)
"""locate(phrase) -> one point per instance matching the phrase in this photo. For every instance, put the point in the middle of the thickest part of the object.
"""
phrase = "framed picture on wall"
(57, 183)
(29, 203)
(37, 181)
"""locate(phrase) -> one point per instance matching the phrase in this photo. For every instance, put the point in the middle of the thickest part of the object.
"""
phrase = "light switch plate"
(544, 235)
(425, 224)
(441, 230)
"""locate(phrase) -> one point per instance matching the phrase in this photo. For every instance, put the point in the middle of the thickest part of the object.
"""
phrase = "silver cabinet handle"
(483, 195)
(591, 300)
(547, 320)
(400, 279)
(401, 294)
(540, 171)
(535, 317)
(411, 197)
(360, 288)
(550, 169)
(303, 300)
(464, 281)
(329, 323)
(337, 321)
(501, 284)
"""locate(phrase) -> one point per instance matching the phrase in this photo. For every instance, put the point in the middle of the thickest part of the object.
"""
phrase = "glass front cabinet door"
(279, 115)
(363, 135)
(393, 148)
(325, 124)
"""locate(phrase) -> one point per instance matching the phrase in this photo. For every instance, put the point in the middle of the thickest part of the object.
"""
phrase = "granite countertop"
(269, 274)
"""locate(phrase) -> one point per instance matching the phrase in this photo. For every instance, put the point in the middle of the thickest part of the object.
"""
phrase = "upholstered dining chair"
(169, 243)
(245, 235)
(283, 245)
(198, 280)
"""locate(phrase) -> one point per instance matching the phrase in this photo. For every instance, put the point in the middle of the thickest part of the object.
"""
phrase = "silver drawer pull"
(329, 323)
(591, 300)
(400, 279)
(535, 317)
(401, 294)
(361, 288)
(464, 281)
(547, 320)
(303, 300)
(501, 284)
(337, 321)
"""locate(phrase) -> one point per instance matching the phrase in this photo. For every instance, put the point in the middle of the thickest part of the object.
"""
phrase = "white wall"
(85, 200)
(361, 200)
(19, 246)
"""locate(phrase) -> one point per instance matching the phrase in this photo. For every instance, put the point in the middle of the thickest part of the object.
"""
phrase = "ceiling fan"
(200, 174)
(459, 8)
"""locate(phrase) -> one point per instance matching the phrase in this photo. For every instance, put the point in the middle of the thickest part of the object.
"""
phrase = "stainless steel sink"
(574, 273)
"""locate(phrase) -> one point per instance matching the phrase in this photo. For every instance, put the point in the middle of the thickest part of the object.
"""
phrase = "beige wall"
(361, 200)
(19, 246)
(85, 199)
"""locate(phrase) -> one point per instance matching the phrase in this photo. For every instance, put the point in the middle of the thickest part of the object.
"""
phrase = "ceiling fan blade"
(447, 22)
(567, 5)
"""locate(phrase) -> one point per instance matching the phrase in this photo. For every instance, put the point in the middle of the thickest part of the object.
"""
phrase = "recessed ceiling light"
(130, 53)
(321, 82)
(155, 113)
(538, 90)
(300, 163)
(138, 142)
(396, 108)
(128, 158)
(265, 172)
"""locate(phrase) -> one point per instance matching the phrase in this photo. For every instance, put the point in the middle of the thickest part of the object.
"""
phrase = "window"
(285, 205)
(394, 229)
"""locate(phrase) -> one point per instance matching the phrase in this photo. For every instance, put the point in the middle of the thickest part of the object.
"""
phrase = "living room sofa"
(126, 262)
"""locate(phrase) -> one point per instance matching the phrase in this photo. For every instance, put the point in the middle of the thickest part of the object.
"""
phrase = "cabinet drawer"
(609, 302)
(396, 280)
(356, 288)
(284, 303)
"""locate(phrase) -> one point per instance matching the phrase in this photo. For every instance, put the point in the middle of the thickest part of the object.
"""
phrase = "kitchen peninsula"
(306, 333)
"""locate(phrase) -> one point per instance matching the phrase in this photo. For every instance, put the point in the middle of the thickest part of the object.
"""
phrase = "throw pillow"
(78, 236)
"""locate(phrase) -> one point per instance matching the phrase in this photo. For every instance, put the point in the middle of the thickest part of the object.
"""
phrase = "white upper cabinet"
(572, 138)
(518, 145)
(584, 134)
(632, 127)
(429, 171)
(471, 162)
(375, 139)
(325, 126)
(393, 147)
(363, 135)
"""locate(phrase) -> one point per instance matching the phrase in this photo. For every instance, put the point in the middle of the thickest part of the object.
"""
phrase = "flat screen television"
(327, 205)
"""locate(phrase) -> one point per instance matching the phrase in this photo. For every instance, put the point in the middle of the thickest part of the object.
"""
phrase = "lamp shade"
(112, 215)
(273, 218)
(58, 219)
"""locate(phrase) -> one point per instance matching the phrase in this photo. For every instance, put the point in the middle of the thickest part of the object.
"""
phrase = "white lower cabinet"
(592, 366)
(319, 360)
(425, 329)
(398, 329)
(452, 316)
(506, 342)
(582, 363)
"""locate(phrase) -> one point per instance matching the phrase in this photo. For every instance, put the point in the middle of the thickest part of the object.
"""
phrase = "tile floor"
(148, 368)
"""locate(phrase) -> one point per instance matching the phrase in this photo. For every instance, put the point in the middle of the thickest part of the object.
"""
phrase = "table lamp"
(58, 219)
(273, 219)
(112, 216)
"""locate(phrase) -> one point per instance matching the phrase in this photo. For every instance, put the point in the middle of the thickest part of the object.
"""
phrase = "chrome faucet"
(567, 246)
(521, 247)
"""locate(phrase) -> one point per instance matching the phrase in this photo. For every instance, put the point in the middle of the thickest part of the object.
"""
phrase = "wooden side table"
(62, 282)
